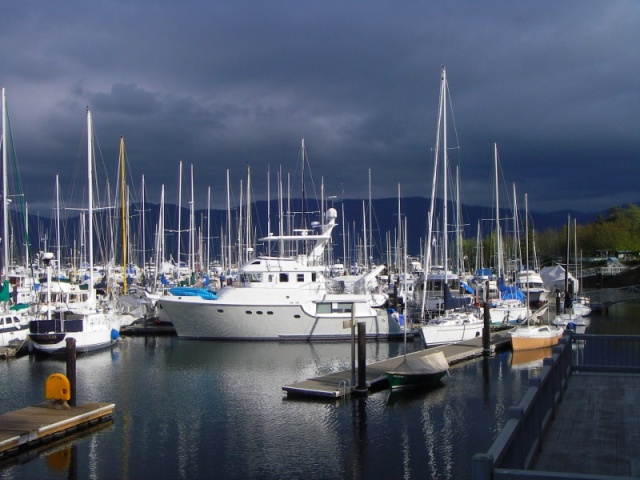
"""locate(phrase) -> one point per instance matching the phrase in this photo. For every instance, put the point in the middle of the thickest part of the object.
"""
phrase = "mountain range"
(384, 217)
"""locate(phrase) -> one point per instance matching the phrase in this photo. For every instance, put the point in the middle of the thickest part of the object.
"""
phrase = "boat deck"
(339, 384)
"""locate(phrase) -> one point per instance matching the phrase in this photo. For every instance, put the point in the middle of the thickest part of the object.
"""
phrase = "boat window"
(269, 312)
(248, 312)
(1, 321)
(220, 310)
(259, 312)
(9, 320)
(255, 262)
(296, 316)
(251, 277)
(284, 277)
(301, 277)
(342, 307)
(313, 277)
(323, 308)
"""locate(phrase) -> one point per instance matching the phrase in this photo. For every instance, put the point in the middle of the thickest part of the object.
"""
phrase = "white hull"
(98, 331)
(272, 315)
(13, 336)
(451, 328)
(508, 313)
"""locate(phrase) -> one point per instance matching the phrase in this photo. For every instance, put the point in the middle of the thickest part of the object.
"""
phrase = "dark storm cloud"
(224, 84)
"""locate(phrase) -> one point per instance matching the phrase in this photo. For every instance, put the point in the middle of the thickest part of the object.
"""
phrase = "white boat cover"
(432, 363)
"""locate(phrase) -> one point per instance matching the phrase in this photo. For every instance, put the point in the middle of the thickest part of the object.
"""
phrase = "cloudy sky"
(225, 84)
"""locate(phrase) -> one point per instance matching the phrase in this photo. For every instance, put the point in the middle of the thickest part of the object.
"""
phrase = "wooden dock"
(33, 426)
(339, 384)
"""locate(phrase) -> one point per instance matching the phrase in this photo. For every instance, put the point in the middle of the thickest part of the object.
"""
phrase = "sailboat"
(457, 322)
(14, 321)
(71, 311)
(528, 336)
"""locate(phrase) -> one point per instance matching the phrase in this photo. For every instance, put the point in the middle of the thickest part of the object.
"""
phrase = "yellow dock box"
(57, 387)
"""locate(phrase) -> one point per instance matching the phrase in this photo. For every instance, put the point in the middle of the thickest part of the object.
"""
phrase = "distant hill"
(384, 217)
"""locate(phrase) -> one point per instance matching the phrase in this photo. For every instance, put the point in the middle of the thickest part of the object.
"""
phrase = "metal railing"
(516, 447)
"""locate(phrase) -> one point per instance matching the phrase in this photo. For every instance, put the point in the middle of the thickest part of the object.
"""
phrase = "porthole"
(296, 316)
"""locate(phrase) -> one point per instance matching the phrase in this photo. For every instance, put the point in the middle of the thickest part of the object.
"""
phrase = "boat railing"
(515, 449)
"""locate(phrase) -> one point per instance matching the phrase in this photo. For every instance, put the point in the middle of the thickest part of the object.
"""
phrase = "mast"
(526, 243)
(179, 229)
(192, 232)
(304, 221)
(123, 215)
(370, 223)
(208, 230)
(144, 252)
(90, 195)
(445, 161)
(248, 226)
(228, 224)
(498, 233)
(58, 253)
(427, 266)
(5, 197)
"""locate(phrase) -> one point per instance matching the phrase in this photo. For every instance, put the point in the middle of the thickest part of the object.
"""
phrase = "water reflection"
(216, 410)
(530, 359)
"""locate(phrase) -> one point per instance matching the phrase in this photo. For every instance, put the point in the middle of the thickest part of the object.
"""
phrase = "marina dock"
(32, 426)
(339, 384)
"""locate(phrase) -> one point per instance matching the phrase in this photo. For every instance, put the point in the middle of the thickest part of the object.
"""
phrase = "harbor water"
(205, 409)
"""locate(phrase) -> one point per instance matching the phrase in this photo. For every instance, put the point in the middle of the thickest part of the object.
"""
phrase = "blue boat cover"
(193, 292)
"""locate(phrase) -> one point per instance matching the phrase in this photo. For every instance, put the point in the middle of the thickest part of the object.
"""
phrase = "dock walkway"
(339, 384)
(596, 430)
(31, 426)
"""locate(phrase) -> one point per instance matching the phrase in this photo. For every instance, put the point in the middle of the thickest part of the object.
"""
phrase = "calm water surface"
(196, 409)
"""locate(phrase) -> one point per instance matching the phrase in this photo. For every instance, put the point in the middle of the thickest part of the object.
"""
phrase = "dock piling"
(71, 368)
(362, 358)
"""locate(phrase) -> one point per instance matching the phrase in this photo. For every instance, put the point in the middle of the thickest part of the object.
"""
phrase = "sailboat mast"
(526, 247)
(445, 161)
(90, 195)
(5, 199)
(228, 224)
(192, 229)
(179, 229)
(304, 220)
(208, 230)
(370, 223)
(123, 215)
(498, 233)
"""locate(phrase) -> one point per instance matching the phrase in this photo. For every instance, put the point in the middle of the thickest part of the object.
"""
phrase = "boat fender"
(114, 334)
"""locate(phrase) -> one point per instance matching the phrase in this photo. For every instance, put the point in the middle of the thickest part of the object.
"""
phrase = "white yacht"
(530, 283)
(281, 298)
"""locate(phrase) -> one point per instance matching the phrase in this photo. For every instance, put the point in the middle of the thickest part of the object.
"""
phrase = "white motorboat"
(281, 298)
(530, 283)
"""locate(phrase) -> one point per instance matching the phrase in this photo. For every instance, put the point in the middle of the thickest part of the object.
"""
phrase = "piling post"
(362, 358)
(71, 369)
(486, 330)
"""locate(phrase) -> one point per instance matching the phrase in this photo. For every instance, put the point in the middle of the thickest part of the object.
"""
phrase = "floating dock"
(33, 426)
(339, 384)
